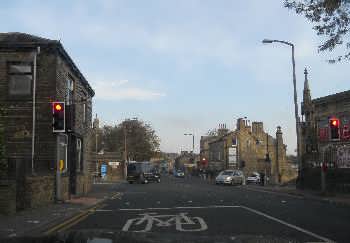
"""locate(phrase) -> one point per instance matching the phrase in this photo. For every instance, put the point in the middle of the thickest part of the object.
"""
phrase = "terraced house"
(249, 148)
(34, 73)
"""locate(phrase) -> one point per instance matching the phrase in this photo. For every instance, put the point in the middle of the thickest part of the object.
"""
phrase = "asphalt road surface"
(191, 210)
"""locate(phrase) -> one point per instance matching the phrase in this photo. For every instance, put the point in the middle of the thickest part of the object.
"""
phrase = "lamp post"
(297, 118)
(191, 134)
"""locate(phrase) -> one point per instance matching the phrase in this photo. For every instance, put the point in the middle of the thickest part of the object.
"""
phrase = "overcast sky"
(185, 66)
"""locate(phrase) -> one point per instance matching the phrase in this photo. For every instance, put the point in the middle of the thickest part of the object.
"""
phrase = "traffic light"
(58, 117)
(334, 128)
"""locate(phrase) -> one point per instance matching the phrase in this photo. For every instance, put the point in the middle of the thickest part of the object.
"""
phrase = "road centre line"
(288, 224)
(188, 207)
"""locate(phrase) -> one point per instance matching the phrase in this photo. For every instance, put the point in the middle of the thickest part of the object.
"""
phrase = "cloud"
(116, 90)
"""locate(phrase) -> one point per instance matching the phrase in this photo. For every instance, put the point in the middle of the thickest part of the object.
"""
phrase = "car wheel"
(130, 182)
(158, 180)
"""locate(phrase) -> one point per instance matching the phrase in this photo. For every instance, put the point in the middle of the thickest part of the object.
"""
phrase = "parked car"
(254, 178)
(179, 173)
(142, 172)
(230, 177)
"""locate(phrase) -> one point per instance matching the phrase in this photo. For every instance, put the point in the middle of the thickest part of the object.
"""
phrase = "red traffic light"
(58, 117)
(334, 122)
(334, 128)
(57, 107)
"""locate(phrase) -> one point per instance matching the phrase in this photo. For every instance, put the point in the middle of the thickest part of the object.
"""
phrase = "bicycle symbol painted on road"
(181, 221)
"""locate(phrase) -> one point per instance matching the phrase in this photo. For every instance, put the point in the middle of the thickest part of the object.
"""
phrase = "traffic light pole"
(37, 51)
(58, 172)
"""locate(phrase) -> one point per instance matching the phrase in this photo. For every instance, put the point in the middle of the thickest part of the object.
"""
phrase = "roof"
(17, 37)
(24, 40)
(333, 97)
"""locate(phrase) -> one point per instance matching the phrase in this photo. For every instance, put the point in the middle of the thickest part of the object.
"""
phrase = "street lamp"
(191, 134)
(297, 118)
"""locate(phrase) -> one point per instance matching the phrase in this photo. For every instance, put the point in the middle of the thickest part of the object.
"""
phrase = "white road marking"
(131, 209)
(103, 210)
(223, 206)
(288, 224)
(324, 239)
(272, 192)
(194, 207)
(185, 207)
(158, 208)
(177, 220)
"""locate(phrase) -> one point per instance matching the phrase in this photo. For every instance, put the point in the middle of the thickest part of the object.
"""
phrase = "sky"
(185, 66)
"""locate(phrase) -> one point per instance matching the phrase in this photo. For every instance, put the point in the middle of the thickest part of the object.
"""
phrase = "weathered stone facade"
(320, 148)
(25, 60)
(252, 150)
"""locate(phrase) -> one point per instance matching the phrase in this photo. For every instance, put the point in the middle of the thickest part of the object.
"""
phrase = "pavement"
(36, 221)
(194, 210)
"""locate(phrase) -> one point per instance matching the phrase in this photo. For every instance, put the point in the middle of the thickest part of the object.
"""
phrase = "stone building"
(185, 160)
(325, 145)
(34, 72)
(251, 149)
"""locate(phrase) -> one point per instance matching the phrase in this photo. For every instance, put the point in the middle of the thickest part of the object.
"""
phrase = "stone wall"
(40, 190)
(7, 196)
(84, 183)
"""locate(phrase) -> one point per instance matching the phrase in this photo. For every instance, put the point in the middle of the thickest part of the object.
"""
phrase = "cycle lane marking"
(153, 219)
(282, 222)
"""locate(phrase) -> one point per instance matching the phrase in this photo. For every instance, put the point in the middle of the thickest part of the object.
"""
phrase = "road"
(192, 210)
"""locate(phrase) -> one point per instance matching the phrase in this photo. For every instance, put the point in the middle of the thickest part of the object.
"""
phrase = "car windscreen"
(227, 173)
(134, 168)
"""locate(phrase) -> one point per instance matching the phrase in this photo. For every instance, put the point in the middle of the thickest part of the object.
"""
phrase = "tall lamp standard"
(297, 118)
(191, 134)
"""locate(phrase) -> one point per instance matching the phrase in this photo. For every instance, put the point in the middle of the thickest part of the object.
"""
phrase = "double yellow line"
(77, 218)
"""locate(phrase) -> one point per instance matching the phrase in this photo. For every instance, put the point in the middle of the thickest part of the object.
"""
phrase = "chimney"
(240, 123)
(257, 128)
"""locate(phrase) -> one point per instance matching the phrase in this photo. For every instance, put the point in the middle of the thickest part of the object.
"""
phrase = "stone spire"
(307, 93)
(96, 123)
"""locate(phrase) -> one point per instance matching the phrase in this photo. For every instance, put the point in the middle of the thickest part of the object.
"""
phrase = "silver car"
(230, 177)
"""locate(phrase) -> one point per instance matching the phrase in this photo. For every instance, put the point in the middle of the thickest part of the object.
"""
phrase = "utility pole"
(191, 134)
(96, 152)
(296, 113)
(125, 150)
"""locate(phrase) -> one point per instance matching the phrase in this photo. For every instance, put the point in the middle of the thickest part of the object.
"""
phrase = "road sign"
(114, 164)
(103, 170)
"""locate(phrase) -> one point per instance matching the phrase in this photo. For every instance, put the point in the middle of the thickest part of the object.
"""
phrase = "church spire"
(306, 82)
(307, 94)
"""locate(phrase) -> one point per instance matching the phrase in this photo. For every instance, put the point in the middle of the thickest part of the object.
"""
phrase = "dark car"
(142, 172)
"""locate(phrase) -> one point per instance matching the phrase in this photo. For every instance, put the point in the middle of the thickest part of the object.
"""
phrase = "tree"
(331, 20)
(141, 139)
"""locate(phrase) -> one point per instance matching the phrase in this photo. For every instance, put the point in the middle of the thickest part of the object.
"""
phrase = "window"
(20, 78)
(79, 157)
(70, 89)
